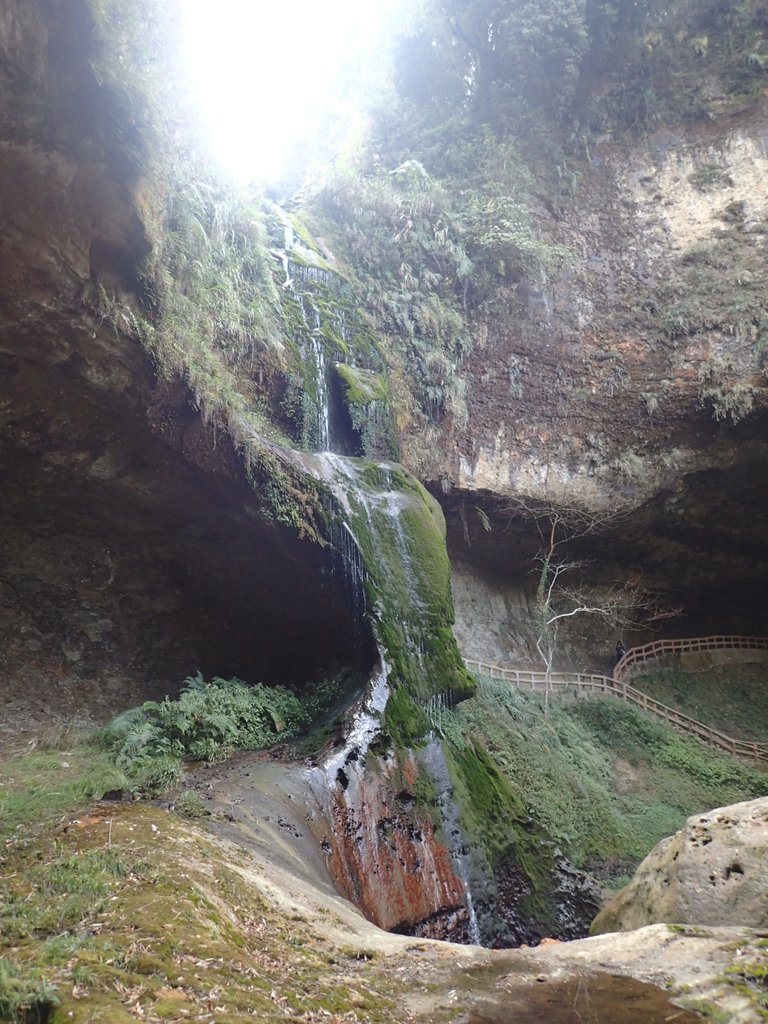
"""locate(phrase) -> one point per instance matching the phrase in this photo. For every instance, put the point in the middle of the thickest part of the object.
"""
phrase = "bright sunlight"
(266, 74)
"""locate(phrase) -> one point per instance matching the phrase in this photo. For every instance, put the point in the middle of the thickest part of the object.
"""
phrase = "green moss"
(400, 529)
(170, 931)
(362, 386)
(493, 812)
(488, 800)
(405, 721)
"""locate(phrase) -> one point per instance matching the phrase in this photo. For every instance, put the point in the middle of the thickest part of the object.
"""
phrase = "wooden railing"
(635, 656)
(587, 684)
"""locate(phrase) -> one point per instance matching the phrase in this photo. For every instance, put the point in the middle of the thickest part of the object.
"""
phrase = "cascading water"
(321, 316)
(387, 537)
(396, 870)
(433, 759)
(323, 400)
(383, 508)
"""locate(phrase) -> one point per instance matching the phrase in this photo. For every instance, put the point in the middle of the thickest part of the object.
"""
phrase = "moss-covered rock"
(400, 531)
(362, 386)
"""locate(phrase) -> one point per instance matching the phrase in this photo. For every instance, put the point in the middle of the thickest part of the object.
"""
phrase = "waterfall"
(434, 760)
(387, 536)
(349, 759)
(383, 508)
(323, 399)
(298, 283)
(437, 711)
(348, 560)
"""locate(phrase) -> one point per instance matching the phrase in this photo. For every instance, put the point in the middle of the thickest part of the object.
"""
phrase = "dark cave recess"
(135, 552)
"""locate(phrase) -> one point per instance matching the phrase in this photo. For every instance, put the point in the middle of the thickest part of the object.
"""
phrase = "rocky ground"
(136, 913)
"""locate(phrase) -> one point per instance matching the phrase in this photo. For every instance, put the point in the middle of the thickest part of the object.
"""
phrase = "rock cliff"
(155, 523)
(602, 391)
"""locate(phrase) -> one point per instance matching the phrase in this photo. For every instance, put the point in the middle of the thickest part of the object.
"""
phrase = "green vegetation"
(37, 789)
(210, 278)
(436, 220)
(714, 291)
(574, 68)
(237, 299)
(72, 889)
(709, 177)
(106, 914)
(712, 287)
(604, 780)
(322, 326)
(206, 306)
(405, 721)
(433, 255)
(731, 698)
(750, 979)
(134, 56)
(401, 532)
(721, 390)
(25, 996)
(493, 811)
(367, 399)
(207, 722)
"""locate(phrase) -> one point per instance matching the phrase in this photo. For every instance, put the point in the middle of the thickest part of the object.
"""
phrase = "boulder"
(712, 872)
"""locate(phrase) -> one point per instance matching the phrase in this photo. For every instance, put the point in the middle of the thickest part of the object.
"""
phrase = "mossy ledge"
(128, 909)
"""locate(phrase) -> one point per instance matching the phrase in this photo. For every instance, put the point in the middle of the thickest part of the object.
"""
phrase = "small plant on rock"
(722, 392)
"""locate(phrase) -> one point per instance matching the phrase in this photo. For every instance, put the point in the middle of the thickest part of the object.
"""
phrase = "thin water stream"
(434, 761)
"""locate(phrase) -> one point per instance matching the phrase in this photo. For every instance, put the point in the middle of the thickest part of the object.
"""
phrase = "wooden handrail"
(586, 682)
(647, 652)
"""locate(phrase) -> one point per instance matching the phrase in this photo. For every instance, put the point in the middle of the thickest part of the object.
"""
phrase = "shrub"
(206, 723)
(24, 996)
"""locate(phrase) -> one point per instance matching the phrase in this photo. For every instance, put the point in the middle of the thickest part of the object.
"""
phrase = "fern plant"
(207, 722)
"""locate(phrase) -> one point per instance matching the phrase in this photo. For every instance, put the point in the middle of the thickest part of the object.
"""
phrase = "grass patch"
(39, 788)
(62, 895)
(732, 698)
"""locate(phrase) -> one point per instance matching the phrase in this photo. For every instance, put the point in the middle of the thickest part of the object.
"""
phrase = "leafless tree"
(556, 598)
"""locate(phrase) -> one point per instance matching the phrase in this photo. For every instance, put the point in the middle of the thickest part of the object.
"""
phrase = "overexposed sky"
(263, 70)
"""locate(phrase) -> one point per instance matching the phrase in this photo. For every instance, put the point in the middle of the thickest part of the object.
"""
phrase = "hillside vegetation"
(603, 778)
(731, 698)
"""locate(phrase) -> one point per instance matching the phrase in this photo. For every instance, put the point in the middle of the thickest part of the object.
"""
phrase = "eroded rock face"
(590, 394)
(584, 394)
(712, 872)
(134, 549)
(390, 863)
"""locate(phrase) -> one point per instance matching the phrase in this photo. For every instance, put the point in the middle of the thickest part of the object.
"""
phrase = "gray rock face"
(712, 872)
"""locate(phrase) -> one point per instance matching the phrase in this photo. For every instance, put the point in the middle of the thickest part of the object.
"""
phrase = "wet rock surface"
(647, 976)
(359, 844)
(712, 872)
(498, 891)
